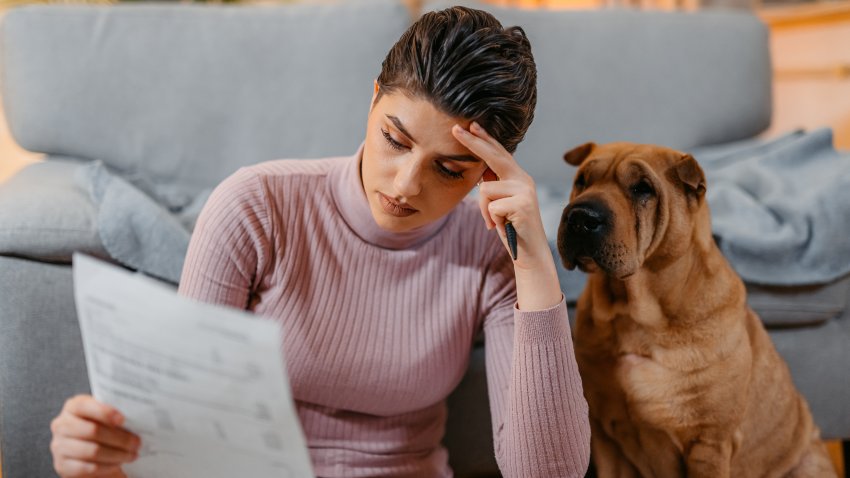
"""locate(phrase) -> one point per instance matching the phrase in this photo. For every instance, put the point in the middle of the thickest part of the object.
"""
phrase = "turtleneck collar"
(350, 200)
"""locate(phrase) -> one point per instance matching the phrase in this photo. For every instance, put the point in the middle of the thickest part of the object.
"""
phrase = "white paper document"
(204, 386)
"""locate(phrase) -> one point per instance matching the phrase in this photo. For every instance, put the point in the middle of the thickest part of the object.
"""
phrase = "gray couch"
(177, 97)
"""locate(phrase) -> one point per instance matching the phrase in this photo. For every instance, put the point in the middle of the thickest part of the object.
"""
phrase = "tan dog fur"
(679, 373)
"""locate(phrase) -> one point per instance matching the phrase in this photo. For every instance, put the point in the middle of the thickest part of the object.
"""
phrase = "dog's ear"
(578, 154)
(690, 173)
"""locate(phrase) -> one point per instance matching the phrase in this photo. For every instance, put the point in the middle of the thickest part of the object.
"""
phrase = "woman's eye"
(393, 143)
(642, 188)
(448, 172)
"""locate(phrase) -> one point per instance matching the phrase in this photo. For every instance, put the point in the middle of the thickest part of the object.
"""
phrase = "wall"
(812, 69)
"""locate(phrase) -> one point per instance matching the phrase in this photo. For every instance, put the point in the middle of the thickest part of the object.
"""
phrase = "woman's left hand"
(508, 194)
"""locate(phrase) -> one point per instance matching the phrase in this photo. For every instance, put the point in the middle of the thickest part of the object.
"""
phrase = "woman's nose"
(407, 181)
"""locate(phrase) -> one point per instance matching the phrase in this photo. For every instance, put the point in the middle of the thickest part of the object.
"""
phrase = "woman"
(382, 273)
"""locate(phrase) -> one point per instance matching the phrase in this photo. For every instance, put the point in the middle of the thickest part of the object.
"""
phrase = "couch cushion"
(799, 306)
(45, 214)
(189, 93)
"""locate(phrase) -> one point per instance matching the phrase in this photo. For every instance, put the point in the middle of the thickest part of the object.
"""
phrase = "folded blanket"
(142, 225)
(781, 208)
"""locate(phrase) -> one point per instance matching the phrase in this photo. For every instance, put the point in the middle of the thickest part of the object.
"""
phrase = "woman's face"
(414, 171)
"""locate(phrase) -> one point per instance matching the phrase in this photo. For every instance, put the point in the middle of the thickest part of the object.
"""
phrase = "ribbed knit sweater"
(378, 326)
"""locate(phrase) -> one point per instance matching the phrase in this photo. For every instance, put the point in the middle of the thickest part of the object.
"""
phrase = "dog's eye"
(579, 184)
(642, 188)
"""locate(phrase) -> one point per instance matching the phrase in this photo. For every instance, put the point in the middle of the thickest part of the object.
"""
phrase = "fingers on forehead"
(489, 151)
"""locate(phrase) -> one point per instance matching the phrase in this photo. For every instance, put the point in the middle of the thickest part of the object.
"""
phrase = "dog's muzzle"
(584, 226)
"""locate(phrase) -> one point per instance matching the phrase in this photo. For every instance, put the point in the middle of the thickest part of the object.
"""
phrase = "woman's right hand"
(88, 440)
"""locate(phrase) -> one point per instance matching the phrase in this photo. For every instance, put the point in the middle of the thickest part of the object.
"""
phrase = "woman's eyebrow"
(397, 123)
(466, 158)
(462, 157)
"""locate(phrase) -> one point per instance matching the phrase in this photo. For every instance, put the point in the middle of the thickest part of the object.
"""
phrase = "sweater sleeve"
(538, 409)
(230, 246)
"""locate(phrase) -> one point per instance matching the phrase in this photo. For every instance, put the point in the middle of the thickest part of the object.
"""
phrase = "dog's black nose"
(584, 220)
(583, 229)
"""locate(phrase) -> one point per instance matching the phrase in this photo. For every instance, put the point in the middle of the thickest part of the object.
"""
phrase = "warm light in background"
(12, 156)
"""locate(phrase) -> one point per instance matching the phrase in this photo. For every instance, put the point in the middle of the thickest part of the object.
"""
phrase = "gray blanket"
(781, 208)
(142, 225)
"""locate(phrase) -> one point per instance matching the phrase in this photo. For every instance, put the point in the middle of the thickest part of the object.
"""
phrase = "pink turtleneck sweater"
(378, 326)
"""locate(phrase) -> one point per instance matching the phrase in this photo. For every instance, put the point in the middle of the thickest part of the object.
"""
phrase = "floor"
(835, 452)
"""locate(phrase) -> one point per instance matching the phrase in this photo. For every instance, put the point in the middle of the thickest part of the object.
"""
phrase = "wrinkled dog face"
(629, 203)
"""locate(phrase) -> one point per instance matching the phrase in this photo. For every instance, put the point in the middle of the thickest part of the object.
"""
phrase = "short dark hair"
(468, 66)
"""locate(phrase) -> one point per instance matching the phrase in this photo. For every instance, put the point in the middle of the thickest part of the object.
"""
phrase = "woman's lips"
(393, 208)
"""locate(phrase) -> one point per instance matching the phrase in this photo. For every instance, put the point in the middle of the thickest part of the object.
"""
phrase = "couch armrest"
(46, 215)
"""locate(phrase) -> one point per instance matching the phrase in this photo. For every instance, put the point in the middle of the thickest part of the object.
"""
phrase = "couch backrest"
(191, 93)
(677, 79)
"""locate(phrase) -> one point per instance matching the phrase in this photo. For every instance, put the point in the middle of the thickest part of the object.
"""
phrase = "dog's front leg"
(709, 458)
(607, 456)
